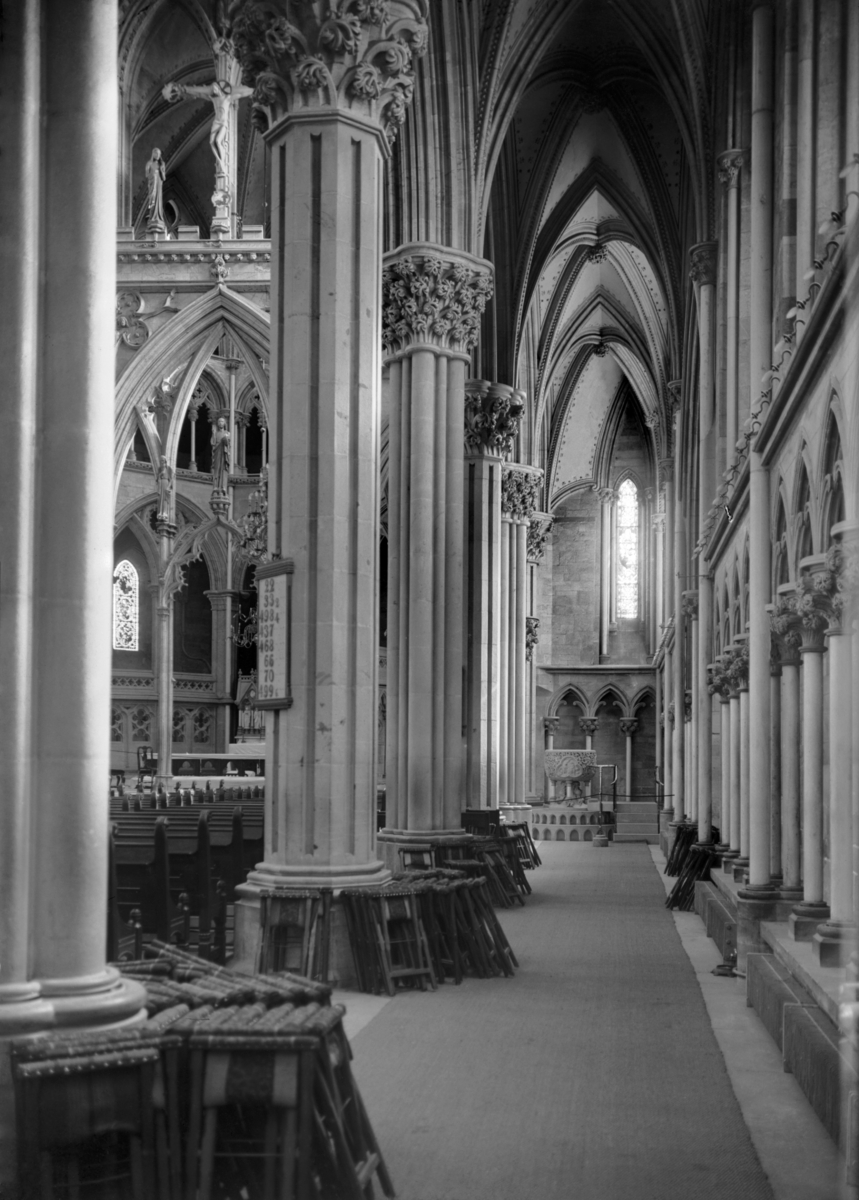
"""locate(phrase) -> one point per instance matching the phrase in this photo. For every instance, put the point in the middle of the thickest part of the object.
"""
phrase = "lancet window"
(126, 607)
(627, 550)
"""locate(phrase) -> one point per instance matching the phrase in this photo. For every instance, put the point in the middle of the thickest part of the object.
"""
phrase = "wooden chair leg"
(288, 1144)
(270, 1155)
(207, 1153)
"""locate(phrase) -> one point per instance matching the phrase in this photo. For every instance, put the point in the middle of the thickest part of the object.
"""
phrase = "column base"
(389, 841)
(766, 892)
(803, 921)
(791, 892)
(754, 904)
(833, 942)
(301, 876)
(740, 868)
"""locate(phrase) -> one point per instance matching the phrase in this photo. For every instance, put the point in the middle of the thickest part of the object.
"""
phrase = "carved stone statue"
(221, 456)
(221, 94)
(155, 173)
(165, 487)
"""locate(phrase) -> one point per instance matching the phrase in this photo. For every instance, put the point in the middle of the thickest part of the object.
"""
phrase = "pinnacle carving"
(356, 55)
(538, 532)
(519, 490)
(427, 298)
(703, 263)
(493, 413)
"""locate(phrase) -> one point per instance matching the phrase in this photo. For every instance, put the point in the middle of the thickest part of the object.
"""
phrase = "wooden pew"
(143, 878)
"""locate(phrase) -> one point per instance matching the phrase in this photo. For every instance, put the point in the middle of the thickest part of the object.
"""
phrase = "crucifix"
(224, 93)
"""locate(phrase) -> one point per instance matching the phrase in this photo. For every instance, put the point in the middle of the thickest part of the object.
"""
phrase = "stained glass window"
(627, 550)
(126, 610)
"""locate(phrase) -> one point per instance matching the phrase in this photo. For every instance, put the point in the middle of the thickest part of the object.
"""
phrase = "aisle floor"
(611, 1067)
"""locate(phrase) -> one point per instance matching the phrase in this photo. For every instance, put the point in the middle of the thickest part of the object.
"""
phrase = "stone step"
(647, 808)
(651, 838)
(638, 828)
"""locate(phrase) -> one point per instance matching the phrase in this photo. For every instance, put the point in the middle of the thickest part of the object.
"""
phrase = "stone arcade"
(515, 344)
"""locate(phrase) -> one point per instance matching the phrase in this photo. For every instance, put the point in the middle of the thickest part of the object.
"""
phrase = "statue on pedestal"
(155, 174)
(165, 487)
(221, 456)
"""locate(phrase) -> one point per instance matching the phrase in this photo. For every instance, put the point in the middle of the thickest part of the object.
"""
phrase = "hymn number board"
(274, 641)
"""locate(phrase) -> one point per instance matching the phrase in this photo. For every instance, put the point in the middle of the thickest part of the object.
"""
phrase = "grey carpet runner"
(592, 1075)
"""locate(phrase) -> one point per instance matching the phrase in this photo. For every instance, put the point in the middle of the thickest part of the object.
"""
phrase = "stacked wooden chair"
(295, 931)
(236, 1086)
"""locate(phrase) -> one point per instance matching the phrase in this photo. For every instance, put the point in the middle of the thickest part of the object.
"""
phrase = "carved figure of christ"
(222, 95)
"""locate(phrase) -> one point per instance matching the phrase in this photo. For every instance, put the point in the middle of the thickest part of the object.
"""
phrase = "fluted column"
(332, 97)
(493, 412)
(730, 163)
(678, 565)
(775, 767)
(760, 354)
(690, 609)
(519, 490)
(787, 638)
(733, 680)
(718, 685)
(433, 301)
(833, 940)
(812, 909)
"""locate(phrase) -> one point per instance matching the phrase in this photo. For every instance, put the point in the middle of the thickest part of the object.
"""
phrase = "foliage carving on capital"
(519, 491)
(429, 299)
(629, 726)
(819, 603)
(690, 604)
(675, 392)
(492, 418)
(538, 533)
(718, 683)
(729, 164)
(702, 259)
(349, 54)
(786, 630)
(738, 668)
(532, 626)
(550, 724)
(589, 725)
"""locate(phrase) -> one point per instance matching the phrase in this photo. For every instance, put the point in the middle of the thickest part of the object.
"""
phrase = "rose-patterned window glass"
(116, 725)
(627, 549)
(126, 607)
(178, 725)
(141, 725)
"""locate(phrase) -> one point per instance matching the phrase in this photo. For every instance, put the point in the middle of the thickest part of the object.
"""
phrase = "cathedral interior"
(429, 416)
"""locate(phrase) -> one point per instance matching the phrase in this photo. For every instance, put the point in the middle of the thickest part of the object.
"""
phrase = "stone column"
(433, 301)
(519, 488)
(332, 101)
(539, 529)
(718, 685)
(760, 354)
(775, 767)
(678, 562)
(703, 274)
(833, 940)
(690, 610)
(629, 728)
(589, 726)
(739, 671)
(550, 728)
(222, 643)
(192, 417)
(812, 909)
(493, 412)
(785, 623)
(730, 163)
(733, 679)
(667, 734)
(607, 498)
(164, 655)
(57, 251)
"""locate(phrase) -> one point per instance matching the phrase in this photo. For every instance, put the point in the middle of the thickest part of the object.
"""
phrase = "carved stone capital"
(606, 495)
(628, 726)
(538, 533)
(718, 683)
(433, 296)
(818, 601)
(786, 630)
(729, 163)
(702, 263)
(666, 469)
(687, 705)
(690, 604)
(738, 667)
(675, 392)
(493, 414)
(532, 626)
(355, 55)
(550, 724)
(519, 491)
(589, 725)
